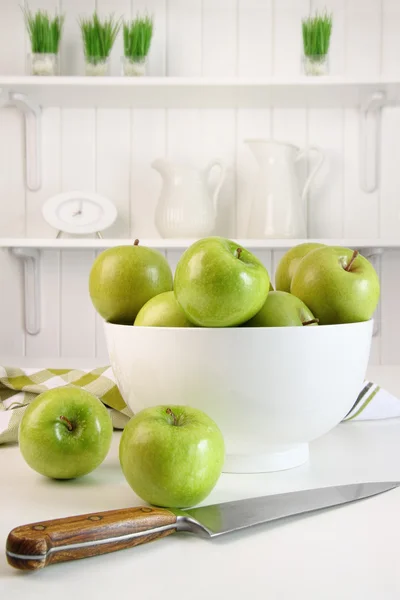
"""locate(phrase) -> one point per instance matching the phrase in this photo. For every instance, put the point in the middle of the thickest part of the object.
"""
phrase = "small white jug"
(278, 206)
(185, 208)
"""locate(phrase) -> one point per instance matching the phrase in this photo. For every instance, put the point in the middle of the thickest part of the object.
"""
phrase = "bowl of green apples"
(276, 366)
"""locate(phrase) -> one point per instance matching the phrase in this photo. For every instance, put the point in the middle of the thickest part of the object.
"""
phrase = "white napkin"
(373, 402)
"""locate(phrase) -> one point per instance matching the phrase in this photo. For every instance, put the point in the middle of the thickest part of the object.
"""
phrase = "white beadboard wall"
(110, 151)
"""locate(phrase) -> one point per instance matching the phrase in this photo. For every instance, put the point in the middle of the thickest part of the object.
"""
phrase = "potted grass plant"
(98, 36)
(137, 40)
(316, 37)
(45, 35)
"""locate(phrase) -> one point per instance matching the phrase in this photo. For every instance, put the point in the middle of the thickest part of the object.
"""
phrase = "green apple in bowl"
(65, 433)
(282, 309)
(122, 279)
(338, 285)
(220, 284)
(172, 455)
(289, 263)
(162, 311)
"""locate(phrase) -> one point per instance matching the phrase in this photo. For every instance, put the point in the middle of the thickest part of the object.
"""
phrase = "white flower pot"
(133, 67)
(316, 65)
(43, 64)
(97, 67)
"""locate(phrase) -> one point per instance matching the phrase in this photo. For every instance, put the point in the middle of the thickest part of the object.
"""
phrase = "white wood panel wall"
(111, 151)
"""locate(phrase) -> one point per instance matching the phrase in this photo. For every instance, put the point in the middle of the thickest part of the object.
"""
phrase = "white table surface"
(345, 552)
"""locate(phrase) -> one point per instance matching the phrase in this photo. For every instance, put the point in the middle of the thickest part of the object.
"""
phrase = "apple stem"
(311, 322)
(173, 415)
(353, 258)
(67, 421)
(136, 242)
(238, 252)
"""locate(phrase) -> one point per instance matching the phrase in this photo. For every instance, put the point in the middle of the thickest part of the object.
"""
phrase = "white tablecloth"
(349, 552)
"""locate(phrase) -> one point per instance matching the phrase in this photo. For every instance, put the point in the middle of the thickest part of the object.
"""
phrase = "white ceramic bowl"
(270, 390)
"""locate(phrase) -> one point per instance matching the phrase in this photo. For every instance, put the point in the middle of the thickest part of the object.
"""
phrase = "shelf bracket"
(31, 262)
(374, 256)
(3, 98)
(33, 143)
(370, 127)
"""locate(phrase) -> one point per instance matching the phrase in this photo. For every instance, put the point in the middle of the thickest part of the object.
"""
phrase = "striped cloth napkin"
(18, 387)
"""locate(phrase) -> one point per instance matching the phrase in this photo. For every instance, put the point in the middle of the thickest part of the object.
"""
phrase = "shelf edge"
(166, 244)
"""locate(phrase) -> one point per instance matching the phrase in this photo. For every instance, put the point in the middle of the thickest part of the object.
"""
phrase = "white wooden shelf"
(32, 94)
(181, 244)
(199, 92)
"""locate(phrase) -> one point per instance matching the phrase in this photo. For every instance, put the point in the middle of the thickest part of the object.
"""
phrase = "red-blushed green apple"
(282, 309)
(162, 311)
(65, 433)
(289, 262)
(122, 279)
(172, 455)
(337, 284)
(220, 284)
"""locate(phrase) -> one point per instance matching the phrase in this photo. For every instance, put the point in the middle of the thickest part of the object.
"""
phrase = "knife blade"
(36, 545)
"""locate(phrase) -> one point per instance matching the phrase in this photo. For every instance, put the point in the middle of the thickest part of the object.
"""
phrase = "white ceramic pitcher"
(186, 208)
(278, 208)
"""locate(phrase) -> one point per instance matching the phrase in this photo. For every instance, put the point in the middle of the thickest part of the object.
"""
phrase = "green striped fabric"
(18, 387)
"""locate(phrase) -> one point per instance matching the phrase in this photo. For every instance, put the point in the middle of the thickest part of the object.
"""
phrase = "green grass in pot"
(98, 37)
(316, 34)
(44, 31)
(137, 38)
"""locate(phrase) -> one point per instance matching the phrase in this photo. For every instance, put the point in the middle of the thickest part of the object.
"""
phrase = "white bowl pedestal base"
(278, 458)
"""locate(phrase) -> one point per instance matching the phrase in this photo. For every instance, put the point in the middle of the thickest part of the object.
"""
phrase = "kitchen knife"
(37, 545)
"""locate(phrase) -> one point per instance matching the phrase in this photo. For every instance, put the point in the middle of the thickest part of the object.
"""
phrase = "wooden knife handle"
(37, 545)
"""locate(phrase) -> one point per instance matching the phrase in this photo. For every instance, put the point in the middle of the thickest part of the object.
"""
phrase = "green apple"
(65, 433)
(220, 284)
(122, 279)
(282, 309)
(289, 262)
(172, 455)
(162, 311)
(337, 284)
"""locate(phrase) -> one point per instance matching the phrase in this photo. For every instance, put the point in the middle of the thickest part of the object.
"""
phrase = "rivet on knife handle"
(37, 545)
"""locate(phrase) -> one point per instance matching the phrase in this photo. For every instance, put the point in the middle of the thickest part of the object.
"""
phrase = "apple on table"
(172, 455)
(65, 433)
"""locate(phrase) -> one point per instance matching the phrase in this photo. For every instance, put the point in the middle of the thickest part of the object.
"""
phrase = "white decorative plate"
(79, 212)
